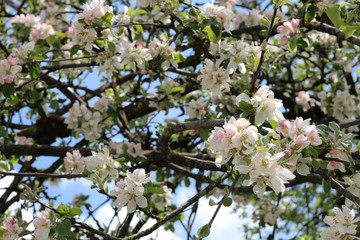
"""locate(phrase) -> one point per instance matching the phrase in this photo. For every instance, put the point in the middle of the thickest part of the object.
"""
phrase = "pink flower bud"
(295, 23)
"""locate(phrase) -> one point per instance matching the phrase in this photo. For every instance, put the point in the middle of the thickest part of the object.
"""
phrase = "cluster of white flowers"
(223, 15)
(108, 63)
(197, 108)
(160, 47)
(82, 36)
(101, 162)
(12, 230)
(134, 54)
(74, 162)
(42, 226)
(130, 191)
(9, 70)
(237, 139)
(342, 225)
(343, 60)
(269, 212)
(303, 98)
(353, 187)
(265, 104)
(344, 106)
(264, 170)
(213, 77)
(157, 14)
(298, 135)
(325, 39)
(162, 200)
(41, 31)
(22, 52)
(133, 149)
(236, 51)
(94, 11)
(86, 122)
(28, 20)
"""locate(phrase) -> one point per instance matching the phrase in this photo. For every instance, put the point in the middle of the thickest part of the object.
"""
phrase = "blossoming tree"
(259, 105)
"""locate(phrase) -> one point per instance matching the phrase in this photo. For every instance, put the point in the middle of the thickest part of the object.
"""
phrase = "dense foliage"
(255, 104)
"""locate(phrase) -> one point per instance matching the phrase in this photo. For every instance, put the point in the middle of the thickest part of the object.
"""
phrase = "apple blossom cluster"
(213, 77)
(160, 47)
(297, 135)
(22, 52)
(42, 226)
(74, 162)
(13, 230)
(94, 11)
(82, 31)
(162, 200)
(237, 139)
(237, 52)
(100, 163)
(288, 30)
(303, 98)
(223, 15)
(342, 225)
(269, 212)
(9, 70)
(41, 31)
(130, 191)
(343, 106)
(130, 148)
(265, 170)
(197, 108)
(353, 184)
(28, 20)
(87, 122)
(264, 103)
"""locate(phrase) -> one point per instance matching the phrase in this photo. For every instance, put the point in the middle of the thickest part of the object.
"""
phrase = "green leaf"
(8, 89)
(35, 70)
(74, 49)
(326, 185)
(274, 124)
(156, 190)
(204, 133)
(50, 40)
(178, 57)
(292, 45)
(107, 18)
(177, 89)
(315, 164)
(279, 3)
(63, 209)
(227, 202)
(310, 13)
(313, 151)
(334, 14)
(112, 47)
(212, 202)
(213, 36)
(204, 231)
(336, 128)
(75, 211)
(35, 95)
(246, 107)
(63, 228)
